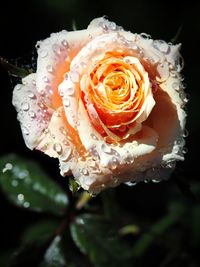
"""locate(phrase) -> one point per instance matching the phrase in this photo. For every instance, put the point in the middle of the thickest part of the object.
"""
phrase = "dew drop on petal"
(85, 171)
(43, 53)
(50, 69)
(58, 148)
(156, 180)
(45, 79)
(66, 102)
(162, 46)
(66, 154)
(33, 82)
(65, 43)
(31, 95)
(18, 86)
(32, 114)
(70, 91)
(131, 183)
(25, 106)
(25, 130)
(175, 86)
(94, 137)
(114, 163)
(185, 134)
(106, 149)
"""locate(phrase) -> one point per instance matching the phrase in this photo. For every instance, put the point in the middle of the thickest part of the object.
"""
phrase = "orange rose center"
(116, 89)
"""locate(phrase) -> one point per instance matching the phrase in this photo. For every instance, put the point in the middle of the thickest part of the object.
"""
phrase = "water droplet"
(145, 35)
(7, 167)
(163, 71)
(84, 171)
(31, 95)
(131, 183)
(156, 180)
(18, 86)
(66, 154)
(62, 130)
(25, 106)
(66, 102)
(74, 76)
(94, 153)
(22, 174)
(14, 183)
(185, 150)
(33, 82)
(58, 148)
(129, 160)
(94, 137)
(50, 69)
(113, 26)
(175, 86)
(26, 204)
(103, 25)
(45, 79)
(162, 46)
(43, 53)
(70, 91)
(185, 134)
(20, 197)
(65, 43)
(25, 130)
(114, 163)
(106, 149)
(66, 76)
(32, 114)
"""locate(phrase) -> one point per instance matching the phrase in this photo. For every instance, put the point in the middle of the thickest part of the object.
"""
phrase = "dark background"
(23, 23)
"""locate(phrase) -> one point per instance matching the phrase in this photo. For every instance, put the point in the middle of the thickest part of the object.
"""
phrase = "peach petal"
(95, 144)
(54, 56)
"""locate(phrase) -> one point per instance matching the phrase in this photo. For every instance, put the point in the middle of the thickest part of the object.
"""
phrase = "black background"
(23, 23)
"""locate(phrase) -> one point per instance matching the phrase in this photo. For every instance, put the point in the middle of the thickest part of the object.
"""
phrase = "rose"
(107, 103)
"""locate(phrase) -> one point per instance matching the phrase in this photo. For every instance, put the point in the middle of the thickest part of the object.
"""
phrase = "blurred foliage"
(96, 231)
(27, 186)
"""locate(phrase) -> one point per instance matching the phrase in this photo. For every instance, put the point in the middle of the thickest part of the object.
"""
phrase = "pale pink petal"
(33, 113)
(56, 143)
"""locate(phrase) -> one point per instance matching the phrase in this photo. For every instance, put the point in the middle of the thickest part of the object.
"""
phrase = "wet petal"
(33, 113)
(54, 57)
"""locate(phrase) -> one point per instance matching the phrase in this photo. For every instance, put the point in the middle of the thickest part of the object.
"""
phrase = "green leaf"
(40, 231)
(28, 186)
(146, 240)
(13, 69)
(55, 255)
(96, 238)
(4, 258)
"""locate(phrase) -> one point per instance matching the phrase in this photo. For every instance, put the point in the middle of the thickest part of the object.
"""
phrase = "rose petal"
(33, 113)
(55, 55)
(95, 144)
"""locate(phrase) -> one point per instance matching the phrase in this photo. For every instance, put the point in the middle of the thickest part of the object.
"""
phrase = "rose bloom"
(109, 104)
